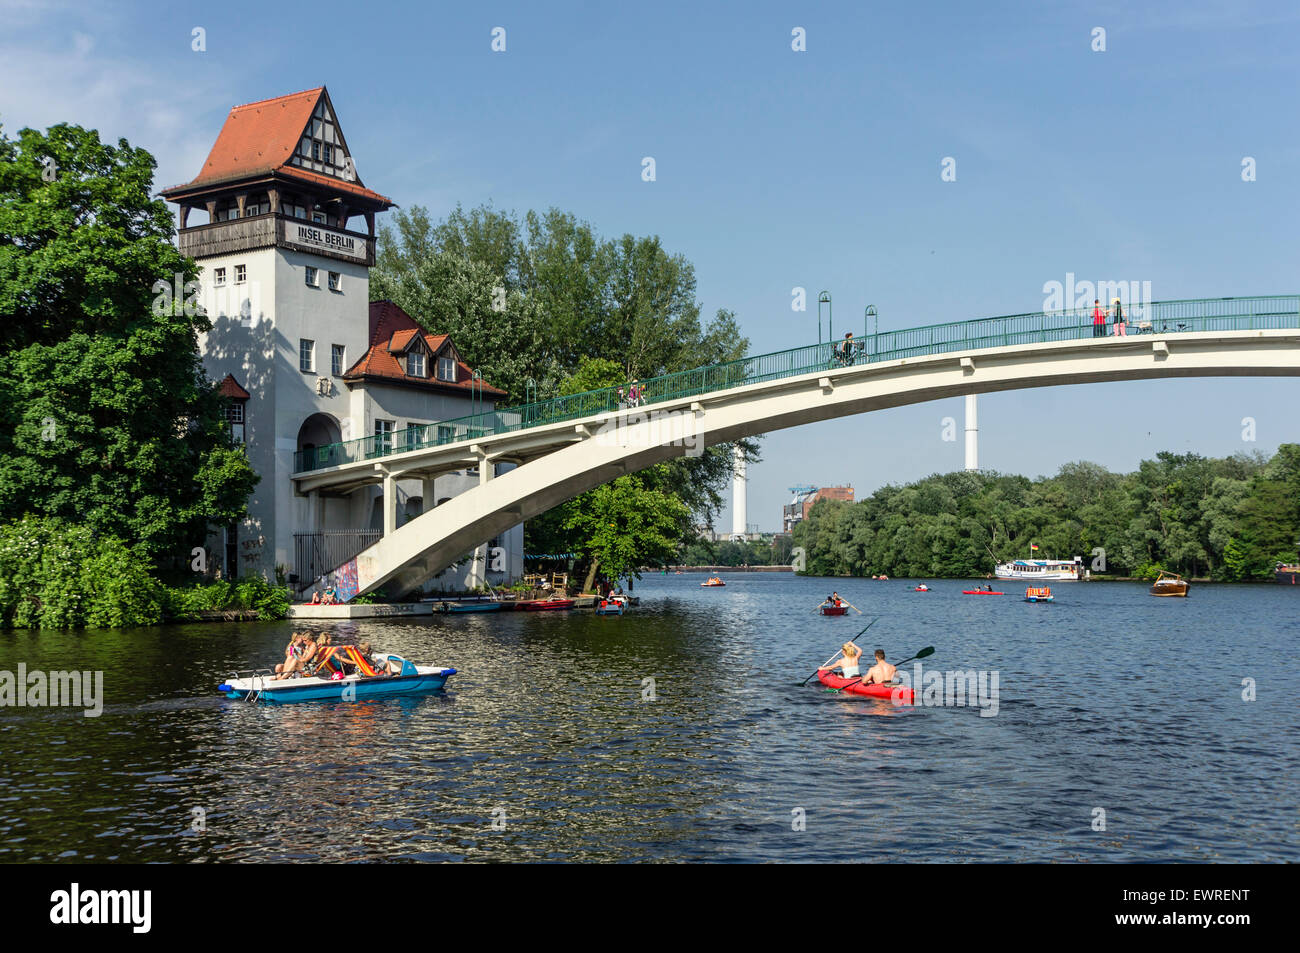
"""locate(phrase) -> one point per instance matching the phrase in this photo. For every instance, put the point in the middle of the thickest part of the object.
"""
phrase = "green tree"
(106, 416)
(625, 526)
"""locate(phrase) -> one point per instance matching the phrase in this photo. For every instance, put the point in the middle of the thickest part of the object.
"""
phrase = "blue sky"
(777, 169)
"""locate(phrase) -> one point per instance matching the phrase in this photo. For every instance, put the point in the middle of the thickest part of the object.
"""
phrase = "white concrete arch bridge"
(566, 446)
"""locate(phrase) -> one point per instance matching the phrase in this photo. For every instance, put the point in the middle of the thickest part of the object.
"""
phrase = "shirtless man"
(882, 673)
(849, 666)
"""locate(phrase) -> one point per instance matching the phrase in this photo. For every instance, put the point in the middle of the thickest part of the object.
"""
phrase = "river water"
(548, 747)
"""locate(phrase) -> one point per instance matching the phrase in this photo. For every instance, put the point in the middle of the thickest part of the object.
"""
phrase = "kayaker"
(882, 673)
(849, 665)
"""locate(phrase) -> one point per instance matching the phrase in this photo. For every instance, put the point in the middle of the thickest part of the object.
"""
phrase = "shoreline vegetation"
(1214, 520)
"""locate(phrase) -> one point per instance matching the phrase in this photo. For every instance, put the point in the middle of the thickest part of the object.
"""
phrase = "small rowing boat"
(545, 605)
(981, 592)
(854, 686)
(1043, 594)
(1169, 584)
(406, 678)
(835, 610)
(467, 607)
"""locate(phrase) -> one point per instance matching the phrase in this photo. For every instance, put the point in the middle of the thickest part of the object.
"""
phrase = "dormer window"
(415, 363)
(446, 369)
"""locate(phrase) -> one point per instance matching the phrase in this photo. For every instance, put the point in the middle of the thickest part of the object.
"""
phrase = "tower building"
(283, 229)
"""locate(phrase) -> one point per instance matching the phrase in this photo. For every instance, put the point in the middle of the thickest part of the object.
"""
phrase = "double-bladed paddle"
(924, 653)
(837, 654)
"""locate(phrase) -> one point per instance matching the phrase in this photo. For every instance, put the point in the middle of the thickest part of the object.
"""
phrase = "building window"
(446, 369)
(306, 355)
(319, 218)
(384, 435)
(234, 414)
(219, 276)
(315, 151)
(241, 274)
(446, 434)
(233, 213)
(415, 363)
(335, 281)
(310, 276)
(336, 360)
(327, 153)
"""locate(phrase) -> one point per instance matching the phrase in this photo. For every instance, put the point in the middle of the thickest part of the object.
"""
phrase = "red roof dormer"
(393, 335)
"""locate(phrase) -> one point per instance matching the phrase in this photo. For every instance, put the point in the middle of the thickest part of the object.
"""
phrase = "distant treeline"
(704, 552)
(1230, 519)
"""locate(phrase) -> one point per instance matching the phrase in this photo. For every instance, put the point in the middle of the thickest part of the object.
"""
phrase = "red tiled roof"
(229, 387)
(392, 332)
(260, 139)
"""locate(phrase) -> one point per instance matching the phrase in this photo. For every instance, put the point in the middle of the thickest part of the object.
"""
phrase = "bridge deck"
(1160, 317)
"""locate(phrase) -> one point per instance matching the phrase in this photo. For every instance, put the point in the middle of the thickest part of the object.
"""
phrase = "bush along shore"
(1227, 520)
(55, 575)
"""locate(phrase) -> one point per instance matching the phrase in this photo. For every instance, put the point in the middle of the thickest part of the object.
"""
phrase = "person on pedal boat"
(849, 666)
(882, 673)
(300, 651)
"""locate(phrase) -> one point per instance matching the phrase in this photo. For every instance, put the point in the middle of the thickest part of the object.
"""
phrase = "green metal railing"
(1159, 317)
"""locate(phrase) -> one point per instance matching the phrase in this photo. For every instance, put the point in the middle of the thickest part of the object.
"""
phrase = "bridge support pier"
(972, 434)
(429, 499)
(390, 504)
(478, 576)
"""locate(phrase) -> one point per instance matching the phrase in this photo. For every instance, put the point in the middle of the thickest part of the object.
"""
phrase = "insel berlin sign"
(325, 239)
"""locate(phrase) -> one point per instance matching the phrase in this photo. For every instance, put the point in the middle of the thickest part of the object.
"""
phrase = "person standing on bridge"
(1098, 319)
(1120, 328)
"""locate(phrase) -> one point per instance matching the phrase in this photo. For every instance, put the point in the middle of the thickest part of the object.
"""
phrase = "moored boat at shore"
(553, 604)
(467, 607)
(1287, 574)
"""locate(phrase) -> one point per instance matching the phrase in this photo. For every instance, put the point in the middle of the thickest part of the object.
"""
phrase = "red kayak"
(835, 610)
(981, 592)
(831, 680)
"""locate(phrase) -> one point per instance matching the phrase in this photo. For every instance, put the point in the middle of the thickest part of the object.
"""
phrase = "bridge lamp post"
(476, 398)
(825, 299)
(870, 318)
(530, 398)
